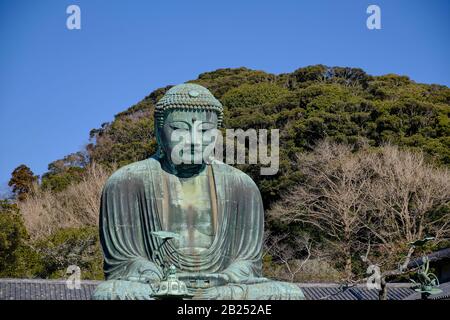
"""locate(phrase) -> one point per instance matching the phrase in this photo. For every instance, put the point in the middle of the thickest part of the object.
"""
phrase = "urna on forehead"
(187, 97)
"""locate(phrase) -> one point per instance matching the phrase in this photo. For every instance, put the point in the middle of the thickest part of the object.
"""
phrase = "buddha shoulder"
(133, 172)
(241, 176)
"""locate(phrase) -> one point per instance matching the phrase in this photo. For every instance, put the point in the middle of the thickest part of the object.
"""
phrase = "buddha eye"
(179, 125)
(205, 126)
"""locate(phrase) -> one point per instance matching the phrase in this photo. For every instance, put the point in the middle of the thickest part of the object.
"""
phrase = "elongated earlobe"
(160, 151)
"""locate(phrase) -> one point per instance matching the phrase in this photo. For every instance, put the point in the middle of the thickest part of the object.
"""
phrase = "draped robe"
(132, 207)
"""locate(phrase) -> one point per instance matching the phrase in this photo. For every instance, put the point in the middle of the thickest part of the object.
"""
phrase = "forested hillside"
(312, 103)
(331, 118)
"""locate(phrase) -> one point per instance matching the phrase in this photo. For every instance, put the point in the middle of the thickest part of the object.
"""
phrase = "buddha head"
(186, 121)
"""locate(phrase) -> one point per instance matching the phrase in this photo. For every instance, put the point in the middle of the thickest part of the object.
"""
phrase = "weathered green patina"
(215, 211)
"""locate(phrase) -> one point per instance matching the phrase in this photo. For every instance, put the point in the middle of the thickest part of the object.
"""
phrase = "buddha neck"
(182, 170)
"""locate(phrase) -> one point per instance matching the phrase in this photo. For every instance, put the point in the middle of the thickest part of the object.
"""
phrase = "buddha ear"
(160, 150)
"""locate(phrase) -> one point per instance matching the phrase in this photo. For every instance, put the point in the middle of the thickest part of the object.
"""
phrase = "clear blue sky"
(57, 84)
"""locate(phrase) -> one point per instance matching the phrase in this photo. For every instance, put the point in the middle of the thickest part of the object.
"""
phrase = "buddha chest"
(189, 211)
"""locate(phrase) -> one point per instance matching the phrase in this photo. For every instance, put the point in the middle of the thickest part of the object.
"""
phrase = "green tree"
(17, 258)
(63, 172)
(22, 179)
(251, 96)
(71, 246)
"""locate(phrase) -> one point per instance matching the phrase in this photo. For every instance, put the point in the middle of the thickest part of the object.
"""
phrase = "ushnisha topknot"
(188, 96)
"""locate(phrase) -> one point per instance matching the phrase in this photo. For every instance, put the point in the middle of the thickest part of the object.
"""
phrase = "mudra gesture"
(215, 209)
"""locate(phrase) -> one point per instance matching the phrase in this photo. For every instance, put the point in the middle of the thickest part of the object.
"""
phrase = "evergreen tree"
(22, 179)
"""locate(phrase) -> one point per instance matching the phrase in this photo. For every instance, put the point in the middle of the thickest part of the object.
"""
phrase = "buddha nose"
(195, 140)
(195, 147)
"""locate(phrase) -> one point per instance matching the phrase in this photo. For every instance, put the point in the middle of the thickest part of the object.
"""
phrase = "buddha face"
(188, 137)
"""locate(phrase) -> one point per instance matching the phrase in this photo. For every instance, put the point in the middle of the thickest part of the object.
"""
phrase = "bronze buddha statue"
(215, 209)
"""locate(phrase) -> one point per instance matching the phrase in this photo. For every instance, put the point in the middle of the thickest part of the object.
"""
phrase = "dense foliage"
(17, 258)
(21, 182)
(344, 104)
(48, 257)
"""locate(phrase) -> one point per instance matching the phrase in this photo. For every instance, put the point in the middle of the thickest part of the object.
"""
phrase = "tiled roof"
(332, 291)
(43, 289)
